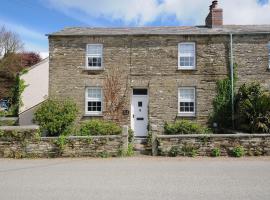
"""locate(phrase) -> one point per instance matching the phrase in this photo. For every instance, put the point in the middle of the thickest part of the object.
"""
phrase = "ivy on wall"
(17, 91)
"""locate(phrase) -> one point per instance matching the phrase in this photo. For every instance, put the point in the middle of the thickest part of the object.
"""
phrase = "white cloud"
(22, 30)
(141, 12)
(41, 49)
(33, 40)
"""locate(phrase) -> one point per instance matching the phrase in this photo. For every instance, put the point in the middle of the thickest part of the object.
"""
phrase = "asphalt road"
(135, 178)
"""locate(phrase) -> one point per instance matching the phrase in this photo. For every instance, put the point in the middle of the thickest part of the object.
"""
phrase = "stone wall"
(151, 62)
(254, 144)
(25, 142)
(8, 121)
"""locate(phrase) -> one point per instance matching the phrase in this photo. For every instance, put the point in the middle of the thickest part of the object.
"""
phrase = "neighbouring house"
(165, 73)
(37, 85)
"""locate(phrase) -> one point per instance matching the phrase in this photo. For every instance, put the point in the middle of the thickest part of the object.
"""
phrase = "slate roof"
(165, 30)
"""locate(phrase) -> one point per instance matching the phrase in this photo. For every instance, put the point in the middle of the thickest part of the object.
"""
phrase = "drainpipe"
(232, 76)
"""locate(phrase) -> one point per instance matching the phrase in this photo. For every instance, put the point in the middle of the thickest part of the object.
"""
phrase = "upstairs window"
(186, 55)
(186, 101)
(94, 56)
(93, 101)
(269, 55)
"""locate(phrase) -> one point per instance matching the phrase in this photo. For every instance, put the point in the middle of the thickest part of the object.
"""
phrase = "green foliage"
(104, 154)
(253, 108)
(55, 116)
(99, 127)
(184, 127)
(215, 152)
(149, 138)
(174, 151)
(130, 135)
(189, 150)
(222, 103)
(61, 142)
(2, 113)
(17, 91)
(186, 150)
(1, 133)
(130, 151)
(238, 151)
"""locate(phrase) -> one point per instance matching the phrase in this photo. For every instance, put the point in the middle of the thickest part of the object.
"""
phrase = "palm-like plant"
(253, 108)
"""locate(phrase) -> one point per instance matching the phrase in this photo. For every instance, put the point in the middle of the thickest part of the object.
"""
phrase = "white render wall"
(37, 79)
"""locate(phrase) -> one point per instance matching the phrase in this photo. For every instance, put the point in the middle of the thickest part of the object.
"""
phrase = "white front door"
(139, 112)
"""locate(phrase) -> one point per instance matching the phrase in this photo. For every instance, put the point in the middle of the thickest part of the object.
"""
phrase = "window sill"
(93, 69)
(186, 115)
(186, 69)
(93, 115)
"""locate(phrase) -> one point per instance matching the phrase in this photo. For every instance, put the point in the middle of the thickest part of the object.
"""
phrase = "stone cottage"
(161, 73)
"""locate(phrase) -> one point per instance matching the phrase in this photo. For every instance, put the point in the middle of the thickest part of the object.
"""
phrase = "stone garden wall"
(25, 142)
(203, 145)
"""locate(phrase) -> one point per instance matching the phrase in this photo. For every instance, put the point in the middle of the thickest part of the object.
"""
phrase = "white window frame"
(89, 99)
(93, 56)
(186, 114)
(268, 47)
(186, 55)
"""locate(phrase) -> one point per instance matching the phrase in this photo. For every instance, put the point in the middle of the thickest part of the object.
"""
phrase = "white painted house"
(37, 81)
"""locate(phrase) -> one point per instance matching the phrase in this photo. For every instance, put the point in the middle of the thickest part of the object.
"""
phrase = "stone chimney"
(215, 16)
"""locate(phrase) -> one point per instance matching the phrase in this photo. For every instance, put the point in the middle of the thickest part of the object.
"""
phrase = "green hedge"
(184, 127)
(99, 127)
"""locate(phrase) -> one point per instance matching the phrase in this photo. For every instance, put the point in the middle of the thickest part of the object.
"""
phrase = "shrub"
(99, 127)
(55, 116)
(215, 152)
(130, 151)
(149, 139)
(222, 103)
(174, 151)
(238, 151)
(130, 135)
(189, 150)
(184, 127)
(186, 150)
(253, 108)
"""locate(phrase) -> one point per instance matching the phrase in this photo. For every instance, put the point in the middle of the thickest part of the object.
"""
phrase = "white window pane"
(187, 48)
(94, 93)
(187, 55)
(94, 49)
(187, 94)
(186, 101)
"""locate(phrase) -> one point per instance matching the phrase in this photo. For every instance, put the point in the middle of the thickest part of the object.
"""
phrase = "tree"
(114, 94)
(11, 61)
(29, 59)
(10, 42)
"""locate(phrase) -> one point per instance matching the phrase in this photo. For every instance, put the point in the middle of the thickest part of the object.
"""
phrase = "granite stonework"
(151, 61)
(24, 142)
(253, 144)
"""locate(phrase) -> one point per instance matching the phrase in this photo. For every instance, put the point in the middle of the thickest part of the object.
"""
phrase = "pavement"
(135, 178)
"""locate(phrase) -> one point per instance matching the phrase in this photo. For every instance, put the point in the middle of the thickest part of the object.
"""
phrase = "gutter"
(232, 76)
(158, 34)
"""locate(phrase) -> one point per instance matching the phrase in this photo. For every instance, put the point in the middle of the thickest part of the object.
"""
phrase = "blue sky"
(32, 19)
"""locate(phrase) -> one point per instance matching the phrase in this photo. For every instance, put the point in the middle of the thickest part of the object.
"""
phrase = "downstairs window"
(186, 101)
(93, 101)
